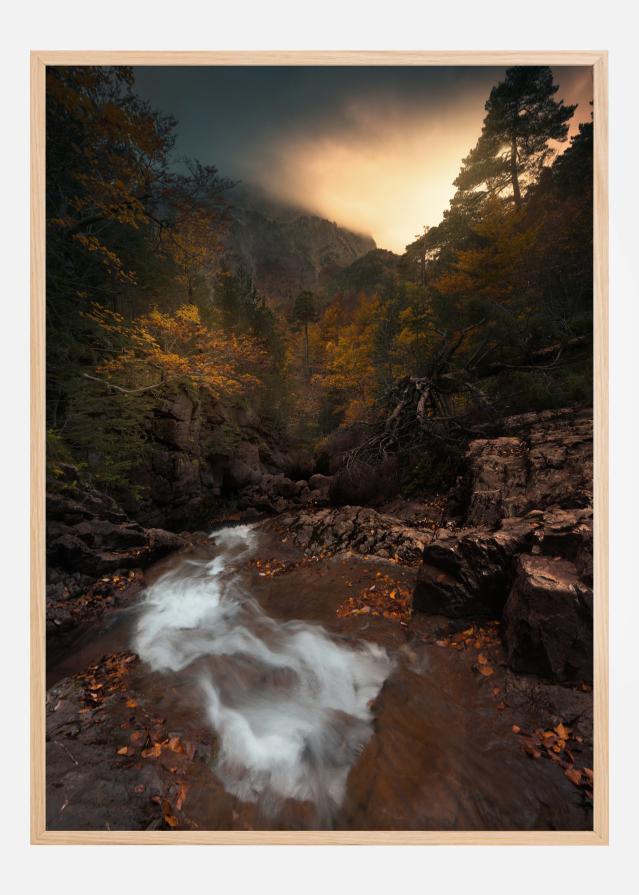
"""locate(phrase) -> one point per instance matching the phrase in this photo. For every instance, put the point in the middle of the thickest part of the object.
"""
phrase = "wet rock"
(90, 538)
(354, 528)
(548, 620)
(529, 495)
(162, 542)
(467, 575)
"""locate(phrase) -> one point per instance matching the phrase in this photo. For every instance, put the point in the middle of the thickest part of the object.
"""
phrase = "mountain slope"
(287, 249)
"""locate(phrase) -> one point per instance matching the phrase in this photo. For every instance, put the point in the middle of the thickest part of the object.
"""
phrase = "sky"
(375, 149)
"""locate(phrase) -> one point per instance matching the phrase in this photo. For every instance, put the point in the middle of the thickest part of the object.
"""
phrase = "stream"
(313, 720)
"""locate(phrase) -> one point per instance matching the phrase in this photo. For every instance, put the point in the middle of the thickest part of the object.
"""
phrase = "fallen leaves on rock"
(559, 745)
(106, 593)
(476, 637)
(270, 568)
(105, 695)
(385, 598)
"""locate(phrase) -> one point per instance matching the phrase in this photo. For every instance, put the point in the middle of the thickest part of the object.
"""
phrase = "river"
(313, 720)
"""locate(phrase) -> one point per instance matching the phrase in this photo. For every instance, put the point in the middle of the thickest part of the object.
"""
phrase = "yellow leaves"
(188, 314)
(164, 348)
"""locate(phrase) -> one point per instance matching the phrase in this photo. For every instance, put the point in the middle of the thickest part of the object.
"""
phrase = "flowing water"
(319, 721)
(289, 703)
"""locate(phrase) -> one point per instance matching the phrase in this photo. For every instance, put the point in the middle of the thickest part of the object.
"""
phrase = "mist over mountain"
(287, 249)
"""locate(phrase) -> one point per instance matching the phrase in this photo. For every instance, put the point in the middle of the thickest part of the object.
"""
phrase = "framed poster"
(319, 512)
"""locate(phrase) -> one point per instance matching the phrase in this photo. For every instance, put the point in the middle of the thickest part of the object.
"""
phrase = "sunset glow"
(391, 175)
(390, 171)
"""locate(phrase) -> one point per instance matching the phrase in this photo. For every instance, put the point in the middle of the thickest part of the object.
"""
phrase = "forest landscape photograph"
(319, 448)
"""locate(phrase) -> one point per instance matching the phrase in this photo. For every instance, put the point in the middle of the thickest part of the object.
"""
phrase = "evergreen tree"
(522, 117)
(305, 312)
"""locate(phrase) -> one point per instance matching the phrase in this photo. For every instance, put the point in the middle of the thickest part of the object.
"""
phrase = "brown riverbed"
(130, 747)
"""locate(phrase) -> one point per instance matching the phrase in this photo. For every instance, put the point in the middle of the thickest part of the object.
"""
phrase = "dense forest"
(397, 360)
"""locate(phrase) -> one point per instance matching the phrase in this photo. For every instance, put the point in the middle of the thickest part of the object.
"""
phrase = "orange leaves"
(557, 745)
(384, 599)
(573, 775)
(167, 816)
(181, 797)
(475, 637)
(153, 751)
(267, 568)
(562, 731)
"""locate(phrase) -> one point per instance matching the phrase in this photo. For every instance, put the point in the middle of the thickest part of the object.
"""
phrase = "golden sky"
(373, 148)
(391, 171)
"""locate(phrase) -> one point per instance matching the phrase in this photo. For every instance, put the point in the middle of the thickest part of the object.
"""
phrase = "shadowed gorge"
(319, 478)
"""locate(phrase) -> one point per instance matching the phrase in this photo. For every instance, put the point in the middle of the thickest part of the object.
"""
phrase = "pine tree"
(305, 312)
(522, 117)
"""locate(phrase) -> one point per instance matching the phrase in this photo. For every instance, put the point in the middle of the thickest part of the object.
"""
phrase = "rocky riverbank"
(484, 593)
(523, 552)
(512, 542)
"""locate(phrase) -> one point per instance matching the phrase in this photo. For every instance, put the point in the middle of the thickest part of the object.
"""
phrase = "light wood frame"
(598, 61)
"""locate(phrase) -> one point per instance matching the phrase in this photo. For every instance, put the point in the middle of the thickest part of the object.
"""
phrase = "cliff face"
(525, 552)
(286, 249)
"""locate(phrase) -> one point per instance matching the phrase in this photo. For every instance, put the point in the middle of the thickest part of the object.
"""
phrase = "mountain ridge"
(287, 249)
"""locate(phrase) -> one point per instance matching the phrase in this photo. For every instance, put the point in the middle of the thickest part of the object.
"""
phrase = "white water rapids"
(290, 704)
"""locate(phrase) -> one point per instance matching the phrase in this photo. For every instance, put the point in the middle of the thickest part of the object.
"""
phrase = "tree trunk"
(513, 172)
(306, 363)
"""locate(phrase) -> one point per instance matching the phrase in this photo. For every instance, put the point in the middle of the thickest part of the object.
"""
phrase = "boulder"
(299, 464)
(548, 620)
(468, 574)
(320, 482)
(70, 553)
(106, 535)
(568, 533)
(162, 542)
